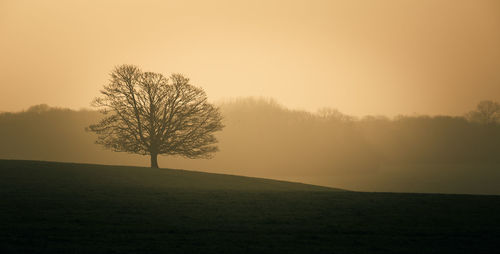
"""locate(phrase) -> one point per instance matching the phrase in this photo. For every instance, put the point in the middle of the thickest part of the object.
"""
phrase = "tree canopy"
(149, 114)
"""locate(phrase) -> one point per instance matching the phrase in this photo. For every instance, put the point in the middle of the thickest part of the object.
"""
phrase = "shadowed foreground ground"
(51, 207)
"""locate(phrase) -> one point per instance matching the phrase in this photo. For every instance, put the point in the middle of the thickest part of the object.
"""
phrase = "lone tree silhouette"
(149, 114)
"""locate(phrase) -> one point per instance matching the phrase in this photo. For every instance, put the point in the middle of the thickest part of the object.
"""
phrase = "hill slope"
(51, 207)
(87, 176)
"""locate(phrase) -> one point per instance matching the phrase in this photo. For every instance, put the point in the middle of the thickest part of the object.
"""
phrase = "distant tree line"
(263, 138)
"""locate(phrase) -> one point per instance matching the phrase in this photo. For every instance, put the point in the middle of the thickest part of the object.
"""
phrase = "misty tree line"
(262, 134)
(331, 139)
(473, 137)
(265, 139)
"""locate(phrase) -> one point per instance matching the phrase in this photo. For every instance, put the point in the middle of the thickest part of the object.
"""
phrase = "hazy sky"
(362, 57)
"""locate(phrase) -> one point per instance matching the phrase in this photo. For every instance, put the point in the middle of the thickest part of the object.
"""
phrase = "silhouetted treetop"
(486, 112)
(150, 114)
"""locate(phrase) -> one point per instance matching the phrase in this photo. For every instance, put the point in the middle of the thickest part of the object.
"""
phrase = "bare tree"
(333, 114)
(149, 114)
(487, 112)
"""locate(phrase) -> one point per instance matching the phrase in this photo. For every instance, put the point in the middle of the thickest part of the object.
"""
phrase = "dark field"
(76, 208)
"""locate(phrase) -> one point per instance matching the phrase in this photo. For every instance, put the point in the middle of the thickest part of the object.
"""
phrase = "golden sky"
(362, 57)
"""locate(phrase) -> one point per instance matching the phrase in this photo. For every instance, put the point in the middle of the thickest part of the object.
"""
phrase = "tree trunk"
(154, 160)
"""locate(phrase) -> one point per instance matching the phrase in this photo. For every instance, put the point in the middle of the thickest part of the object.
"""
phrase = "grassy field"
(51, 207)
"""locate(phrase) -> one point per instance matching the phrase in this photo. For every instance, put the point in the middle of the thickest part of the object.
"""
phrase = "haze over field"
(363, 57)
(263, 139)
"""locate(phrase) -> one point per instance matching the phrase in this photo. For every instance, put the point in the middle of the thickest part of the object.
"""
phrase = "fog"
(263, 138)
(364, 57)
